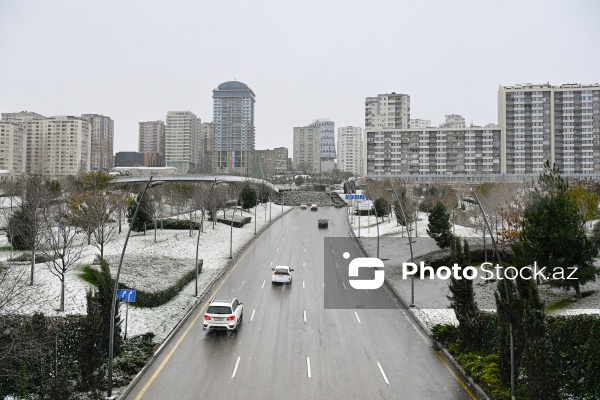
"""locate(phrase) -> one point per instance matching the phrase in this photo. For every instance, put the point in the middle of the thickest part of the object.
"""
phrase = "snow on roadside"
(430, 296)
(172, 255)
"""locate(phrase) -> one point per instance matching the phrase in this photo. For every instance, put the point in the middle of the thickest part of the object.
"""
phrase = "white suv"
(282, 274)
(224, 313)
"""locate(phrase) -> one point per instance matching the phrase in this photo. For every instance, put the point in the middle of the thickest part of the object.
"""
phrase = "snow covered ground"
(430, 295)
(149, 264)
(146, 265)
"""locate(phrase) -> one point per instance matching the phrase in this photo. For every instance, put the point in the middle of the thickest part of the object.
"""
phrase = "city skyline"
(454, 57)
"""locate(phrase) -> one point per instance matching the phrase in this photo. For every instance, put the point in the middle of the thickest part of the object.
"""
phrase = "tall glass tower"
(233, 118)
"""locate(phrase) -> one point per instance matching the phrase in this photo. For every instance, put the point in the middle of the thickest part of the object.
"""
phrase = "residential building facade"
(181, 136)
(560, 124)
(307, 148)
(12, 147)
(350, 150)
(406, 153)
(152, 137)
(54, 146)
(387, 111)
(420, 123)
(207, 135)
(102, 132)
(453, 121)
(233, 123)
(272, 161)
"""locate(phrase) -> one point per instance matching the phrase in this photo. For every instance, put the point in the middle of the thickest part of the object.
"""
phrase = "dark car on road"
(323, 223)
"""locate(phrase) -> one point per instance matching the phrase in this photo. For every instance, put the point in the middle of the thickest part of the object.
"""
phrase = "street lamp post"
(212, 185)
(510, 327)
(115, 290)
(376, 220)
(412, 282)
(231, 234)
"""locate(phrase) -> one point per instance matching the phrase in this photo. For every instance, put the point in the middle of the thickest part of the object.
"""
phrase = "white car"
(224, 313)
(303, 206)
(282, 274)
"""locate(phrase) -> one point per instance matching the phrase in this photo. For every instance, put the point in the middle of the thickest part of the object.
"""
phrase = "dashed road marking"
(263, 285)
(345, 288)
(252, 316)
(308, 366)
(358, 319)
(236, 366)
(383, 373)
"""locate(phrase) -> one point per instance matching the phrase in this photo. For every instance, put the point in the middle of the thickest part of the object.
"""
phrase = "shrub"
(176, 224)
(145, 298)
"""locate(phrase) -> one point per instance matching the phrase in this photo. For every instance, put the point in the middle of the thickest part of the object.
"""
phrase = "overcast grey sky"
(136, 60)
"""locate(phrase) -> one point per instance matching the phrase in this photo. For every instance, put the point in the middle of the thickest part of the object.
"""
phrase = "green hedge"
(237, 222)
(174, 224)
(145, 298)
(576, 340)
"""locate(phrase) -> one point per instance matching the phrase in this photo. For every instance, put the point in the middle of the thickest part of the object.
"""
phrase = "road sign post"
(127, 296)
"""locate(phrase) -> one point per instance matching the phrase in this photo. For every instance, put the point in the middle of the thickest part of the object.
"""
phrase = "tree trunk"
(577, 290)
(32, 265)
(62, 293)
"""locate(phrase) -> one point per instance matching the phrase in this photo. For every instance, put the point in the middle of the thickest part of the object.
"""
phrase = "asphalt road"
(289, 346)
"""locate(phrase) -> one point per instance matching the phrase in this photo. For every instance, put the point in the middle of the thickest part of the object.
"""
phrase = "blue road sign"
(127, 296)
(354, 197)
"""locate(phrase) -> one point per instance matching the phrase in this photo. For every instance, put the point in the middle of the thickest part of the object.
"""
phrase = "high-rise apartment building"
(420, 123)
(420, 154)
(327, 144)
(181, 136)
(54, 146)
(207, 135)
(233, 119)
(387, 111)
(307, 148)
(152, 137)
(314, 146)
(556, 123)
(272, 161)
(102, 132)
(350, 150)
(453, 121)
(12, 147)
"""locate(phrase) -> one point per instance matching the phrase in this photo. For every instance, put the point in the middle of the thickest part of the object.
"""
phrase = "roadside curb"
(193, 307)
(436, 346)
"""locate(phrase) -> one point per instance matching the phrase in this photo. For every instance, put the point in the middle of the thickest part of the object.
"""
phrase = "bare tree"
(27, 222)
(64, 247)
(216, 202)
(105, 231)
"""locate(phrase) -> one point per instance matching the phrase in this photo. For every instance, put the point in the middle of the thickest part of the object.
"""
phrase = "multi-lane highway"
(289, 346)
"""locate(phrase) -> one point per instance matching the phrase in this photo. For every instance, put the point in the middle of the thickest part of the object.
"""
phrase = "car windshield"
(219, 310)
(281, 271)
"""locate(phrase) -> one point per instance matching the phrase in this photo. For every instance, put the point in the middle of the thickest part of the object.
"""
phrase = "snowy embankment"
(147, 265)
(430, 295)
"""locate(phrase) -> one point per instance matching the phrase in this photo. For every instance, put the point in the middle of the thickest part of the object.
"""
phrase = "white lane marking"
(345, 288)
(303, 264)
(323, 284)
(252, 316)
(304, 316)
(358, 319)
(270, 265)
(305, 250)
(277, 249)
(332, 250)
(336, 265)
(287, 231)
(263, 285)
(236, 365)
(308, 365)
(302, 284)
(282, 238)
(242, 285)
(383, 373)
